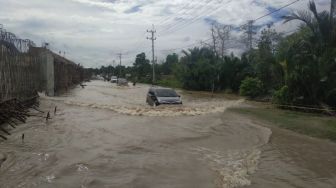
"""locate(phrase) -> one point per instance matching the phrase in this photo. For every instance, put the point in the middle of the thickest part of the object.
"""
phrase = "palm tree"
(321, 24)
(196, 53)
(311, 64)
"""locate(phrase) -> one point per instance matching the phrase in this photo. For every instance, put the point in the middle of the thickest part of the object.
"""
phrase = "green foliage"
(267, 69)
(197, 69)
(251, 87)
(331, 97)
(168, 66)
(142, 68)
(200, 69)
(232, 71)
(297, 69)
(282, 96)
(310, 57)
(169, 81)
(317, 126)
(109, 71)
(303, 78)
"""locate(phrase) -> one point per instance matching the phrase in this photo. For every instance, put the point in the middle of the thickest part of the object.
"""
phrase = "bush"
(282, 96)
(251, 87)
(331, 98)
(169, 81)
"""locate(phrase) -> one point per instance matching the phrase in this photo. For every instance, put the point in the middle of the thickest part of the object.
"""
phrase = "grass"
(314, 125)
(169, 81)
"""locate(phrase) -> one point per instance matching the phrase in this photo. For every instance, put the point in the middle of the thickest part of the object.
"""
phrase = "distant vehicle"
(157, 96)
(122, 82)
(114, 79)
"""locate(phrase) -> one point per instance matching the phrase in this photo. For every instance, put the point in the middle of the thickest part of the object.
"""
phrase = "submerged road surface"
(106, 136)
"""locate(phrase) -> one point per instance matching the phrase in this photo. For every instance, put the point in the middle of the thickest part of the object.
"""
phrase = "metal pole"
(152, 38)
(120, 54)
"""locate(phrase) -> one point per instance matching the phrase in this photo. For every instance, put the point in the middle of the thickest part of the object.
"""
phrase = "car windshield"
(166, 93)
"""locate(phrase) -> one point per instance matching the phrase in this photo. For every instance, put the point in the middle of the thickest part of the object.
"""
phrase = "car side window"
(151, 92)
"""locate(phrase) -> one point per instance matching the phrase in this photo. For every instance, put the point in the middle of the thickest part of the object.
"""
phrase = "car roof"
(160, 88)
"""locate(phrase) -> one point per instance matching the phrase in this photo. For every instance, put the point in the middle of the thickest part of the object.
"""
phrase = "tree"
(310, 61)
(168, 65)
(320, 24)
(267, 69)
(142, 67)
(197, 69)
(251, 87)
(223, 35)
(232, 71)
(220, 36)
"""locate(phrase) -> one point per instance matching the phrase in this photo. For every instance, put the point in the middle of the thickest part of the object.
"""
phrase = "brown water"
(106, 136)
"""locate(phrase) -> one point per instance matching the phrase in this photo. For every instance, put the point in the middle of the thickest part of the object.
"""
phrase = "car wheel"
(156, 103)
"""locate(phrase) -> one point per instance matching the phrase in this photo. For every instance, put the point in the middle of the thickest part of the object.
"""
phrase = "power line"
(190, 45)
(182, 21)
(277, 10)
(238, 27)
(196, 18)
(180, 12)
(250, 32)
(218, 8)
(250, 28)
(141, 44)
(250, 24)
(199, 16)
(272, 12)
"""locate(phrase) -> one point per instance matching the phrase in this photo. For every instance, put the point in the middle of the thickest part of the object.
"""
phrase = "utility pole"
(152, 38)
(120, 55)
(113, 65)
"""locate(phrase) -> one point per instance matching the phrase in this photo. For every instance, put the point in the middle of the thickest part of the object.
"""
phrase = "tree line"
(294, 69)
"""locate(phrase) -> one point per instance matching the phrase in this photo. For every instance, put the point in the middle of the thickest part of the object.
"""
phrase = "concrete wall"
(22, 75)
(47, 73)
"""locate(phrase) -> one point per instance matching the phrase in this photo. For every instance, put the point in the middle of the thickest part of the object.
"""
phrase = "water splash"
(161, 111)
(232, 167)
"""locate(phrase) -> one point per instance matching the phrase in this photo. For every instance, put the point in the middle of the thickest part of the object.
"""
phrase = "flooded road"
(294, 160)
(106, 136)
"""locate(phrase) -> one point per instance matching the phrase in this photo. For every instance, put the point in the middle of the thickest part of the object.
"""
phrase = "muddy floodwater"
(106, 136)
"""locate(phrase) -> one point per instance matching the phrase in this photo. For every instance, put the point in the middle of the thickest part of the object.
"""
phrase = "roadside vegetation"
(287, 69)
(314, 125)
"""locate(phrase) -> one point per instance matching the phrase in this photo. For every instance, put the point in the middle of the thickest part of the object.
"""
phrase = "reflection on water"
(106, 136)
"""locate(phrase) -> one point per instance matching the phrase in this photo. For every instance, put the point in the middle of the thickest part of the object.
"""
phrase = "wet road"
(106, 136)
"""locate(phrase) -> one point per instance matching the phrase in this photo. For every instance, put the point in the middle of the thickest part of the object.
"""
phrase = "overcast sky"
(92, 32)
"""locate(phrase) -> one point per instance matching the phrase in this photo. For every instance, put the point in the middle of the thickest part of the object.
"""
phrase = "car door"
(150, 95)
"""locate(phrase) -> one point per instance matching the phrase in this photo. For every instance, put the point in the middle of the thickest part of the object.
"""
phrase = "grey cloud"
(90, 30)
(134, 9)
